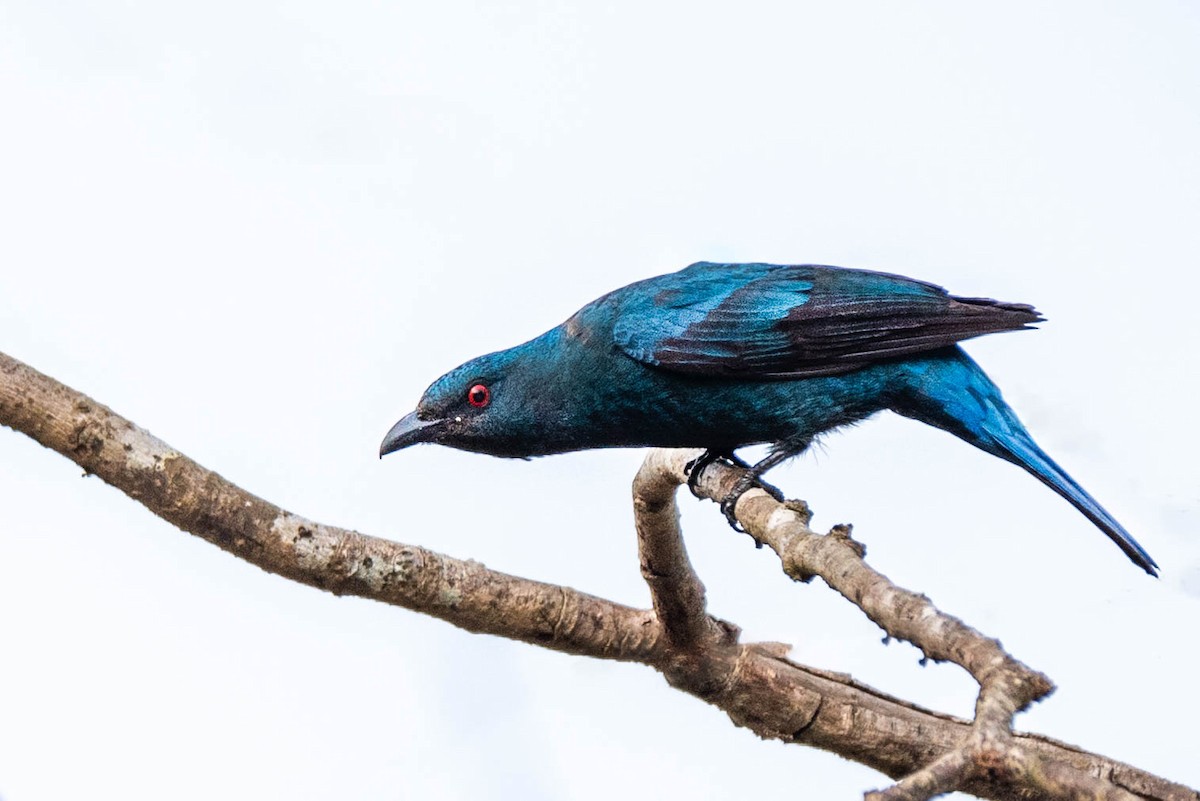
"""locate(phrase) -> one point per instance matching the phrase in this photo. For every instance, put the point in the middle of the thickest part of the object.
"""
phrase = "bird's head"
(480, 406)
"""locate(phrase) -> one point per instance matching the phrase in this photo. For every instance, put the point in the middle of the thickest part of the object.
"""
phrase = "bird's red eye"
(478, 396)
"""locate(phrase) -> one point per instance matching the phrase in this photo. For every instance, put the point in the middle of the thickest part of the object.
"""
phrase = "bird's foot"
(748, 480)
(696, 466)
(751, 477)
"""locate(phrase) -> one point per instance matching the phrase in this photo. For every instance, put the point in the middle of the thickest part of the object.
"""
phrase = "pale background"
(260, 230)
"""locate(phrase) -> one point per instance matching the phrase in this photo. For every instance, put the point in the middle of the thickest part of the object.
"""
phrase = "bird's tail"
(951, 392)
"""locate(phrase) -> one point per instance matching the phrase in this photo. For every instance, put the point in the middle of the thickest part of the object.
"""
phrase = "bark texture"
(754, 683)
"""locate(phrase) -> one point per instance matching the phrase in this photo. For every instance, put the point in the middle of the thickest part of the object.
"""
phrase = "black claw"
(748, 480)
(696, 466)
(727, 507)
(729, 502)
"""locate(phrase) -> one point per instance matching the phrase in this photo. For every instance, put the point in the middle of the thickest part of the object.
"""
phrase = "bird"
(721, 356)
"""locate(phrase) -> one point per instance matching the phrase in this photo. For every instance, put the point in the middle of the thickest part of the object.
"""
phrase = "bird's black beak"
(409, 431)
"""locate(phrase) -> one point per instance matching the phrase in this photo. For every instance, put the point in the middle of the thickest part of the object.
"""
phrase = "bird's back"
(791, 321)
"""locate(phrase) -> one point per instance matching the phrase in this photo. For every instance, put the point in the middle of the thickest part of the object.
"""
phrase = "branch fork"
(988, 750)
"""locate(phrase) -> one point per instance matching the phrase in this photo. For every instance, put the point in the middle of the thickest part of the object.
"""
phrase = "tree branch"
(755, 684)
(675, 589)
(1006, 686)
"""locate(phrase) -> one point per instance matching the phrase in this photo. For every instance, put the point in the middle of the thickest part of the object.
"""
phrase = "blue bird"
(719, 356)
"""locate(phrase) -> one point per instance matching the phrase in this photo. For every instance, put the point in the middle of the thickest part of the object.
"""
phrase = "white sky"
(260, 231)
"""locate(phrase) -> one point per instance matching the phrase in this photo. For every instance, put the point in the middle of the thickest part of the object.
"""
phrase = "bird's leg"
(696, 466)
(753, 475)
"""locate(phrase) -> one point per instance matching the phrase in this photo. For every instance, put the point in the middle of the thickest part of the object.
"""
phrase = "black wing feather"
(760, 320)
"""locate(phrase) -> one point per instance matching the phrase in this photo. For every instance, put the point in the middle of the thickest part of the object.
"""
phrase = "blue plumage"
(720, 356)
